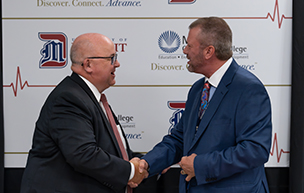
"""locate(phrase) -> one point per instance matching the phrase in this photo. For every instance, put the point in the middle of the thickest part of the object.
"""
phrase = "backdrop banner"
(297, 104)
(37, 37)
(152, 82)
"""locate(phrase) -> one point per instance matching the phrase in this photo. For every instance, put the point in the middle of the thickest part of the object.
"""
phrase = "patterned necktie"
(204, 99)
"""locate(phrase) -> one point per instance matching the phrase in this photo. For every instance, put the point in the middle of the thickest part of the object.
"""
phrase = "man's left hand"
(186, 164)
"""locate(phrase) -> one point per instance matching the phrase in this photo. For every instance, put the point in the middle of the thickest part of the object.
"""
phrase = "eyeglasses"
(113, 58)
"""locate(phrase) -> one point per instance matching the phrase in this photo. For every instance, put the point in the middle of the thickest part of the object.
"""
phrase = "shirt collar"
(216, 77)
(92, 88)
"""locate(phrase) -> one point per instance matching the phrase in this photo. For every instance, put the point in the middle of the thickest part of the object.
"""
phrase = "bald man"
(75, 149)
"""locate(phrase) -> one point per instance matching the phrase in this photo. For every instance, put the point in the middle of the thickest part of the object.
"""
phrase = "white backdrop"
(143, 92)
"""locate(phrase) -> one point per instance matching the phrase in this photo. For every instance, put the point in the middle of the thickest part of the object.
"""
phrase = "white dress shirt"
(216, 77)
(98, 95)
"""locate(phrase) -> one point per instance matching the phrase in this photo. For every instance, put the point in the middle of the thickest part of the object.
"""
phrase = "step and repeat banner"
(152, 82)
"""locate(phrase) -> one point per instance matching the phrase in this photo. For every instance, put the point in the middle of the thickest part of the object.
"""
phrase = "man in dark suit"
(223, 139)
(74, 146)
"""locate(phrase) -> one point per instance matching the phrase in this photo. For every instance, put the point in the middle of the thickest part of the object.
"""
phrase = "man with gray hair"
(223, 138)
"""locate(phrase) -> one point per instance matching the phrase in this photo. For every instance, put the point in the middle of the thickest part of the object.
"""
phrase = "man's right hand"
(139, 174)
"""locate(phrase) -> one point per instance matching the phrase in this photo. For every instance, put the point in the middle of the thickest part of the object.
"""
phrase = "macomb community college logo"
(169, 41)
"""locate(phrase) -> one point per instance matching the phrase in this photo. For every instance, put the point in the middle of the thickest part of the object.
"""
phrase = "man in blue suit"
(223, 148)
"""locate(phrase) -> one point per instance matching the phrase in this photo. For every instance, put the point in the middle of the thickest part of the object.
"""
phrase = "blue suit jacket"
(233, 140)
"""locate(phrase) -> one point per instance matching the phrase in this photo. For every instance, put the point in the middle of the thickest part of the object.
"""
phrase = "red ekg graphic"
(276, 12)
(22, 85)
(276, 147)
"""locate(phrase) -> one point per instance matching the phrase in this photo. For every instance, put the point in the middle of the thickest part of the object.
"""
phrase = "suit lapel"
(210, 111)
(214, 103)
(193, 116)
(75, 77)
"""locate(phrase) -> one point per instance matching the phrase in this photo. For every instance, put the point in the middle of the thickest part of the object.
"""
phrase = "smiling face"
(99, 71)
(194, 51)
(102, 71)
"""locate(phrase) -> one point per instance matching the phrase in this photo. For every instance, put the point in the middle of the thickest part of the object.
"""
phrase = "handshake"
(141, 169)
(141, 172)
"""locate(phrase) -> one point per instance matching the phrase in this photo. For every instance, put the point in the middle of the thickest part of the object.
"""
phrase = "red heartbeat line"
(272, 17)
(276, 146)
(22, 85)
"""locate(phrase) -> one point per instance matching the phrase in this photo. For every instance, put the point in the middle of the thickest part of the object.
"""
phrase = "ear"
(87, 66)
(209, 51)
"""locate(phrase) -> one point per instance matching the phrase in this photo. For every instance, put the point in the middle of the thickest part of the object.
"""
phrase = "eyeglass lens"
(113, 59)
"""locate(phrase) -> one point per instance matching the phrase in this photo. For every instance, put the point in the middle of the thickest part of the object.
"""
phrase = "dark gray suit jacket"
(74, 148)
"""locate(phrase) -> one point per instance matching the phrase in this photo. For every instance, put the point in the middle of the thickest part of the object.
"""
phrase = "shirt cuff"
(132, 171)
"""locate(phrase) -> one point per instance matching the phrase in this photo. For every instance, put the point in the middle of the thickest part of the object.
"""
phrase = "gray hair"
(216, 32)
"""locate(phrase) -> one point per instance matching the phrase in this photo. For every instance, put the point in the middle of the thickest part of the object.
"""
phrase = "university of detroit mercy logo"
(179, 107)
(54, 51)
